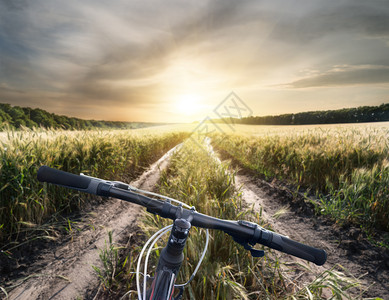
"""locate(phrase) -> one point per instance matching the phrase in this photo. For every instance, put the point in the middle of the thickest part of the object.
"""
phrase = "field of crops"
(114, 154)
(228, 270)
(346, 166)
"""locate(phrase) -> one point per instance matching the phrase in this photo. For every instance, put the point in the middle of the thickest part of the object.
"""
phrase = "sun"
(188, 104)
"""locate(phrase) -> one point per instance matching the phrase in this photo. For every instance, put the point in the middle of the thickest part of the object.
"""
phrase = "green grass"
(111, 266)
(347, 167)
(26, 203)
(228, 270)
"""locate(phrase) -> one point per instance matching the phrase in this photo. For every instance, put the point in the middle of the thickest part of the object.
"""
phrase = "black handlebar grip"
(81, 183)
(284, 244)
(50, 175)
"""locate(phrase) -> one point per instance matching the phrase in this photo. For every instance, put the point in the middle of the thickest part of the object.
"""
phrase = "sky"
(176, 61)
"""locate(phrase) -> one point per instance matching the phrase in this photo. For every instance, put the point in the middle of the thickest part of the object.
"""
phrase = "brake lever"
(247, 246)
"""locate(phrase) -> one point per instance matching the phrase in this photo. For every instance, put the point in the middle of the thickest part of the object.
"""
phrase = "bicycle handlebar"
(243, 232)
(81, 183)
(287, 245)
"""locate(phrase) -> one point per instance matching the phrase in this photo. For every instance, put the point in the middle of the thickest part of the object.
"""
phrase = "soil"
(63, 270)
(346, 246)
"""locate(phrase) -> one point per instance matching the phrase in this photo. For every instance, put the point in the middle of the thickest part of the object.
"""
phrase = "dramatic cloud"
(134, 60)
(364, 18)
(345, 75)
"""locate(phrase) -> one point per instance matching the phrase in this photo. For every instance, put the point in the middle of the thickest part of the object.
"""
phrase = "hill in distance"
(360, 114)
(17, 117)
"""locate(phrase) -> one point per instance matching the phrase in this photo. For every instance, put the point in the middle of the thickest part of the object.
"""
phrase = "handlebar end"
(285, 244)
(41, 175)
(321, 257)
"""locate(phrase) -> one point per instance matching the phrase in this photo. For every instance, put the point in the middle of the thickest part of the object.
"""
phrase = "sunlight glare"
(188, 104)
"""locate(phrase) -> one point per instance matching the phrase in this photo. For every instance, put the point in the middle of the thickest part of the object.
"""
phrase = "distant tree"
(4, 117)
(41, 118)
(346, 115)
(18, 116)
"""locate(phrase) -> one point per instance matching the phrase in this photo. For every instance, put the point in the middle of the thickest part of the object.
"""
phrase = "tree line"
(347, 115)
(17, 117)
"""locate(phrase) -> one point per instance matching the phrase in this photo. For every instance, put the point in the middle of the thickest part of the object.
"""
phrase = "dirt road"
(346, 247)
(66, 271)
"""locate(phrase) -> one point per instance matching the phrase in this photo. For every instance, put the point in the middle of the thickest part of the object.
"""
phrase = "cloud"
(345, 76)
(325, 18)
(14, 5)
(132, 54)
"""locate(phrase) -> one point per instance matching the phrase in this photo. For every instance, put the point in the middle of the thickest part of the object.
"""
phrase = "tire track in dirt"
(347, 247)
(344, 248)
(73, 260)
